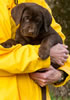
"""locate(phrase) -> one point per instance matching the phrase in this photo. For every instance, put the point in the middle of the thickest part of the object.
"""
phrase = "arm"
(21, 59)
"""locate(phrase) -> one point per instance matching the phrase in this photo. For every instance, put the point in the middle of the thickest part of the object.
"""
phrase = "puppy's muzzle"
(29, 31)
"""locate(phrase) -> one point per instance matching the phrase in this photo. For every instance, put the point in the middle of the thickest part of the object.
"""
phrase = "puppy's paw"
(9, 43)
(6, 45)
(43, 53)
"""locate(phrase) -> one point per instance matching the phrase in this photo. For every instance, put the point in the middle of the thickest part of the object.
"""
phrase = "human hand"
(51, 75)
(59, 54)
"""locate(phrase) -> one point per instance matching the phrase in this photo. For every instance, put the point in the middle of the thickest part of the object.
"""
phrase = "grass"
(59, 98)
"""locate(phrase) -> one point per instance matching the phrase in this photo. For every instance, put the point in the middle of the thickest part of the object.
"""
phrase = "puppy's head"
(31, 17)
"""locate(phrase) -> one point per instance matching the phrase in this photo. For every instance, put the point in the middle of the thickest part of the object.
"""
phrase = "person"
(18, 64)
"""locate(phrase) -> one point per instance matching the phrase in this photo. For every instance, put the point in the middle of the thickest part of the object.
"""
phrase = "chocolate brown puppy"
(34, 28)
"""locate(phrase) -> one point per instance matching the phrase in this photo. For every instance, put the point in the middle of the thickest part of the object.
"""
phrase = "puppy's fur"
(34, 28)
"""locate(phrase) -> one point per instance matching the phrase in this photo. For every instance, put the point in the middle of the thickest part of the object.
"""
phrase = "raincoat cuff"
(66, 69)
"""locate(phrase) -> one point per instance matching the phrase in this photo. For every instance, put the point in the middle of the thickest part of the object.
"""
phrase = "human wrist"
(61, 79)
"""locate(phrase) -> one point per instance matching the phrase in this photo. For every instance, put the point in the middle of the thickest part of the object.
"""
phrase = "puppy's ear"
(16, 12)
(47, 19)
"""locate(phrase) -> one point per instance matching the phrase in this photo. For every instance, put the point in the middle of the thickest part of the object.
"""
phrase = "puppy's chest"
(30, 40)
(37, 40)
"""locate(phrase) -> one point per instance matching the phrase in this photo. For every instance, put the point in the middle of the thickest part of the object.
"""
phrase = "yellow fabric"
(65, 68)
(18, 61)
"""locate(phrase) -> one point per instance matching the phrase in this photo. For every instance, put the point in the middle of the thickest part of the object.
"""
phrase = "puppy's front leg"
(44, 50)
(9, 43)
(47, 43)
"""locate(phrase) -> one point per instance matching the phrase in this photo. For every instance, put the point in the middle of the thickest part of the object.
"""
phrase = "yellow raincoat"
(16, 62)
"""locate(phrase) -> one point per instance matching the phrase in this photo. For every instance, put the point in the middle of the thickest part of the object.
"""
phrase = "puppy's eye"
(26, 19)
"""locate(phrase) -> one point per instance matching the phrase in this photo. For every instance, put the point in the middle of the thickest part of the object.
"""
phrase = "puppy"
(34, 28)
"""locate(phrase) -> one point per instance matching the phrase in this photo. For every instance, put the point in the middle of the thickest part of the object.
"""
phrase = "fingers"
(61, 46)
(65, 56)
(38, 78)
(59, 54)
(51, 77)
(61, 63)
(64, 51)
(64, 60)
(65, 46)
(41, 83)
(48, 77)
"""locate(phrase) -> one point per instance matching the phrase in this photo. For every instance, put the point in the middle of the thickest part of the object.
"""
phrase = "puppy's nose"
(31, 30)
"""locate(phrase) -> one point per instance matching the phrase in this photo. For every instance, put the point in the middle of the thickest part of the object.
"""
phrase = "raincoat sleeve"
(17, 59)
